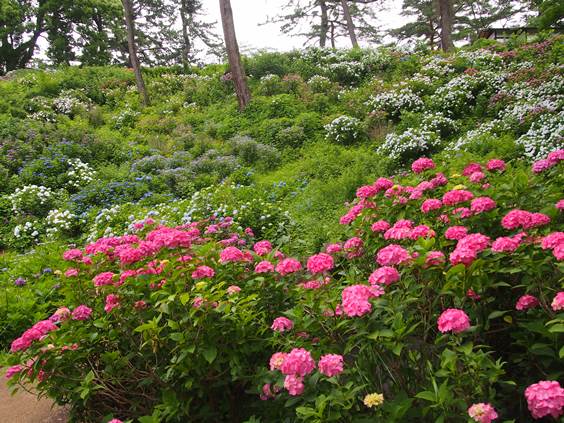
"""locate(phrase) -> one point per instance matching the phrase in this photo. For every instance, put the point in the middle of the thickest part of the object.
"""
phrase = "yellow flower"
(373, 400)
(455, 175)
(459, 187)
(201, 285)
(58, 272)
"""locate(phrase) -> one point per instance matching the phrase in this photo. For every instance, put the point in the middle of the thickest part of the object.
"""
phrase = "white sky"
(249, 14)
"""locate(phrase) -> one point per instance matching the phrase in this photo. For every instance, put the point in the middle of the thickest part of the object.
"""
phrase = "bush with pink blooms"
(450, 309)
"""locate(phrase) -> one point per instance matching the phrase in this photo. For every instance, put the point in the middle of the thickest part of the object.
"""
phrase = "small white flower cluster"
(473, 136)
(66, 105)
(125, 117)
(545, 135)
(412, 142)
(482, 58)
(28, 195)
(28, 229)
(439, 123)
(43, 116)
(79, 174)
(394, 102)
(437, 66)
(101, 223)
(59, 221)
(455, 95)
(270, 78)
(344, 129)
(319, 83)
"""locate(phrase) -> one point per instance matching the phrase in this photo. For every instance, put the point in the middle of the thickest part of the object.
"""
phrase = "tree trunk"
(130, 27)
(187, 46)
(350, 23)
(445, 10)
(324, 27)
(235, 65)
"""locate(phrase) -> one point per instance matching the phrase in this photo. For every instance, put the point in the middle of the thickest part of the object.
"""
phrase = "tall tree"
(325, 20)
(195, 28)
(447, 22)
(235, 65)
(423, 22)
(130, 26)
(22, 22)
(350, 23)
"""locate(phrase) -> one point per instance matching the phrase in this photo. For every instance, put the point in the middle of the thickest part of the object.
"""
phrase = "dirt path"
(25, 408)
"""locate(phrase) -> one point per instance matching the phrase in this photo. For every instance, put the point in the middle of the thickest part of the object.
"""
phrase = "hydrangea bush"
(445, 301)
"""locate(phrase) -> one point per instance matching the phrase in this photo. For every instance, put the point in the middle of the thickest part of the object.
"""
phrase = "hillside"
(342, 179)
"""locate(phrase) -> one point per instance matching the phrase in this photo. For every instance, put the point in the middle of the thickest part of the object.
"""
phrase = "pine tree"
(235, 65)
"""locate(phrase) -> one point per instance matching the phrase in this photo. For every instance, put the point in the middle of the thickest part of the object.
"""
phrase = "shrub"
(344, 130)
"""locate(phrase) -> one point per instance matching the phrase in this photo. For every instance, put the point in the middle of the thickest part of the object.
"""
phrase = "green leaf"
(382, 333)
(558, 328)
(184, 298)
(496, 314)
(210, 353)
(427, 395)
(561, 352)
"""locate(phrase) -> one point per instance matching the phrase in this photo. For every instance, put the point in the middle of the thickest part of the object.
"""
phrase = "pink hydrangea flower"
(320, 263)
(355, 299)
(496, 164)
(478, 242)
(545, 398)
(20, 344)
(276, 360)
(333, 248)
(505, 245)
(552, 240)
(434, 258)
(203, 272)
(482, 412)
(264, 267)
(105, 278)
(298, 362)
(421, 231)
(516, 218)
(60, 315)
(14, 370)
(112, 301)
(482, 204)
(526, 302)
(560, 205)
(287, 266)
(453, 320)
(282, 324)
(71, 273)
(558, 252)
(330, 365)
(439, 180)
(392, 255)
(472, 168)
(354, 247)
(294, 384)
(197, 302)
(233, 289)
(72, 255)
(262, 248)
(82, 312)
(431, 204)
(556, 156)
(457, 196)
(366, 191)
(115, 421)
(558, 302)
(422, 164)
(384, 275)
(476, 177)
(537, 219)
(383, 184)
(230, 255)
(541, 165)
(380, 226)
